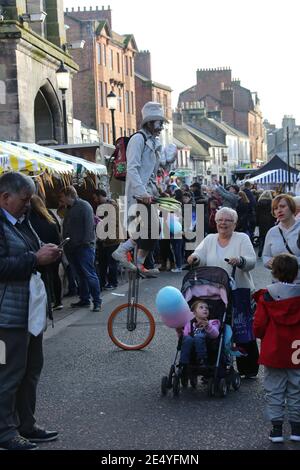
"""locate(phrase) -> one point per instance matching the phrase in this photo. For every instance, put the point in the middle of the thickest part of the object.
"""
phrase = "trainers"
(121, 256)
(40, 435)
(80, 304)
(97, 308)
(176, 270)
(276, 432)
(295, 432)
(57, 307)
(108, 287)
(18, 443)
(146, 272)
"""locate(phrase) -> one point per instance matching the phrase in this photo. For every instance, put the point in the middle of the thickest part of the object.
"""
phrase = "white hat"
(152, 111)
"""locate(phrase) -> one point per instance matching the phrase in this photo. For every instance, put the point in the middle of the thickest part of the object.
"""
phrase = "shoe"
(80, 304)
(57, 307)
(146, 272)
(176, 270)
(18, 443)
(276, 432)
(41, 435)
(121, 255)
(97, 308)
(295, 432)
(108, 286)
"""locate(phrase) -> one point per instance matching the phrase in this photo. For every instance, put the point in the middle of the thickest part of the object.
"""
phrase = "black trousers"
(248, 365)
(19, 378)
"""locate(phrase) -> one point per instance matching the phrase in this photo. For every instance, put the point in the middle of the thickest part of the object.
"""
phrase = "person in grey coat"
(144, 156)
(21, 256)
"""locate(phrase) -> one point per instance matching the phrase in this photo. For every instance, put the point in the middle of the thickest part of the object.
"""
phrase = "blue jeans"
(177, 245)
(199, 342)
(83, 261)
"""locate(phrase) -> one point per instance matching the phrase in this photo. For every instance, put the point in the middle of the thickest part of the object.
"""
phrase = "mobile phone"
(62, 244)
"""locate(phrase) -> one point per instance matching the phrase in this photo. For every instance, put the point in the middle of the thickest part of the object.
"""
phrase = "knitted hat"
(152, 111)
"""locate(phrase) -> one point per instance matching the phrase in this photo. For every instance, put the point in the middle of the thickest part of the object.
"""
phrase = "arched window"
(44, 124)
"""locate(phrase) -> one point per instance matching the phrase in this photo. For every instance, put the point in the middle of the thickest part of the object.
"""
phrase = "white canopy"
(80, 165)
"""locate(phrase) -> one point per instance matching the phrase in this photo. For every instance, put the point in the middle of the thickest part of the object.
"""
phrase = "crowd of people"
(31, 260)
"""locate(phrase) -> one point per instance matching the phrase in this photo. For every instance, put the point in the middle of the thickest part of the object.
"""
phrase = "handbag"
(242, 313)
(37, 305)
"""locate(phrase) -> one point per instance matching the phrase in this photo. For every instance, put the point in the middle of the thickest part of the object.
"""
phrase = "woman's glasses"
(227, 221)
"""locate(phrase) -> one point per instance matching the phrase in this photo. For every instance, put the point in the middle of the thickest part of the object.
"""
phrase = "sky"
(258, 39)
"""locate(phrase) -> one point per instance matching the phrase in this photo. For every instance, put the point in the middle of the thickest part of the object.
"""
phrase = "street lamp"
(63, 83)
(112, 102)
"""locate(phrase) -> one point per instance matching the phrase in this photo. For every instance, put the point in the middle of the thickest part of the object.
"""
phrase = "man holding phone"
(79, 228)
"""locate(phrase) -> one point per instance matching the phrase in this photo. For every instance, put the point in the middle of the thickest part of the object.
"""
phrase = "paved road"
(100, 397)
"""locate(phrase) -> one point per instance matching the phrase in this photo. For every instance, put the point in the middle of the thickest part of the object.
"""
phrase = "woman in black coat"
(264, 217)
(47, 228)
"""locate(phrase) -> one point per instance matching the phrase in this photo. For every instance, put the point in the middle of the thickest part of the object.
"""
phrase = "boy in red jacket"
(277, 323)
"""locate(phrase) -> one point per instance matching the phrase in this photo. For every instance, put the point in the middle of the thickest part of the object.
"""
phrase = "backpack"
(118, 158)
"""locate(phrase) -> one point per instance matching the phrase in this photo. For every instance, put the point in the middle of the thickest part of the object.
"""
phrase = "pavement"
(103, 398)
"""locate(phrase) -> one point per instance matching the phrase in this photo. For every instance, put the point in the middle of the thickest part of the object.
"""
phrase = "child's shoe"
(295, 432)
(276, 432)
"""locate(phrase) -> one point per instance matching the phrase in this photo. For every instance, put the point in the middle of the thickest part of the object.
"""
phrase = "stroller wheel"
(164, 385)
(176, 385)
(223, 389)
(170, 378)
(236, 381)
(211, 387)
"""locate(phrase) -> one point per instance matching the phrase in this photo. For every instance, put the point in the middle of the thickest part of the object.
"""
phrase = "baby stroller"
(213, 285)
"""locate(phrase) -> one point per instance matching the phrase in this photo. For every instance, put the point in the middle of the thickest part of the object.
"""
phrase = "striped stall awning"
(274, 176)
(80, 165)
(13, 158)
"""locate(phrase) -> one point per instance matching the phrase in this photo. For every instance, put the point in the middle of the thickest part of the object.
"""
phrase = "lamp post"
(63, 83)
(112, 102)
(288, 156)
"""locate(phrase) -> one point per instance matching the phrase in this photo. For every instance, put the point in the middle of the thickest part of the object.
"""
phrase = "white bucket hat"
(152, 111)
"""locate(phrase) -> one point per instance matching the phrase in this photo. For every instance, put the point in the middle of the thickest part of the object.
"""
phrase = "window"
(130, 61)
(111, 59)
(120, 100)
(127, 104)
(99, 55)
(101, 98)
(128, 130)
(107, 133)
(121, 131)
(165, 104)
(132, 102)
(104, 55)
(126, 64)
(158, 97)
(105, 98)
(102, 133)
(118, 62)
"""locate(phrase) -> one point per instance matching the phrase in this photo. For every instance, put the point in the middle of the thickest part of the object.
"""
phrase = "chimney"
(142, 64)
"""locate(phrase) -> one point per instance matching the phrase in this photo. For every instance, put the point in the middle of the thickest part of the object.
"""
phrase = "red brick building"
(215, 90)
(148, 90)
(106, 63)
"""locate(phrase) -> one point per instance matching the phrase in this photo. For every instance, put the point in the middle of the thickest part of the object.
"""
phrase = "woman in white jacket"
(228, 245)
(227, 249)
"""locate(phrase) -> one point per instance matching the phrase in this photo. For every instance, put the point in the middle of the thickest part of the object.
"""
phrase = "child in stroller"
(212, 285)
(195, 333)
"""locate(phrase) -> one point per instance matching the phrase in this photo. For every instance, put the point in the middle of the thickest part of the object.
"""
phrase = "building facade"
(106, 64)
(216, 91)
(32, 39)
(148, 90)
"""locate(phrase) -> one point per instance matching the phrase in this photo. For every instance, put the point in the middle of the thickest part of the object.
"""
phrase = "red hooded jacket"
(277, 323)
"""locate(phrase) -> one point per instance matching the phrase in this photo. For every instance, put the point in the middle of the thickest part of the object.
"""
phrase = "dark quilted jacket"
(17, 263)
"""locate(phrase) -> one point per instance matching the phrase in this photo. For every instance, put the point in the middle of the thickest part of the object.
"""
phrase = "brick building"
(216, 91)
(106, 63)
(148, 90)
(30, 54)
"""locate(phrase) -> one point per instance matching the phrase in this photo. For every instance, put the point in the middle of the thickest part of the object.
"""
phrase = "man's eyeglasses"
(227, 221)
